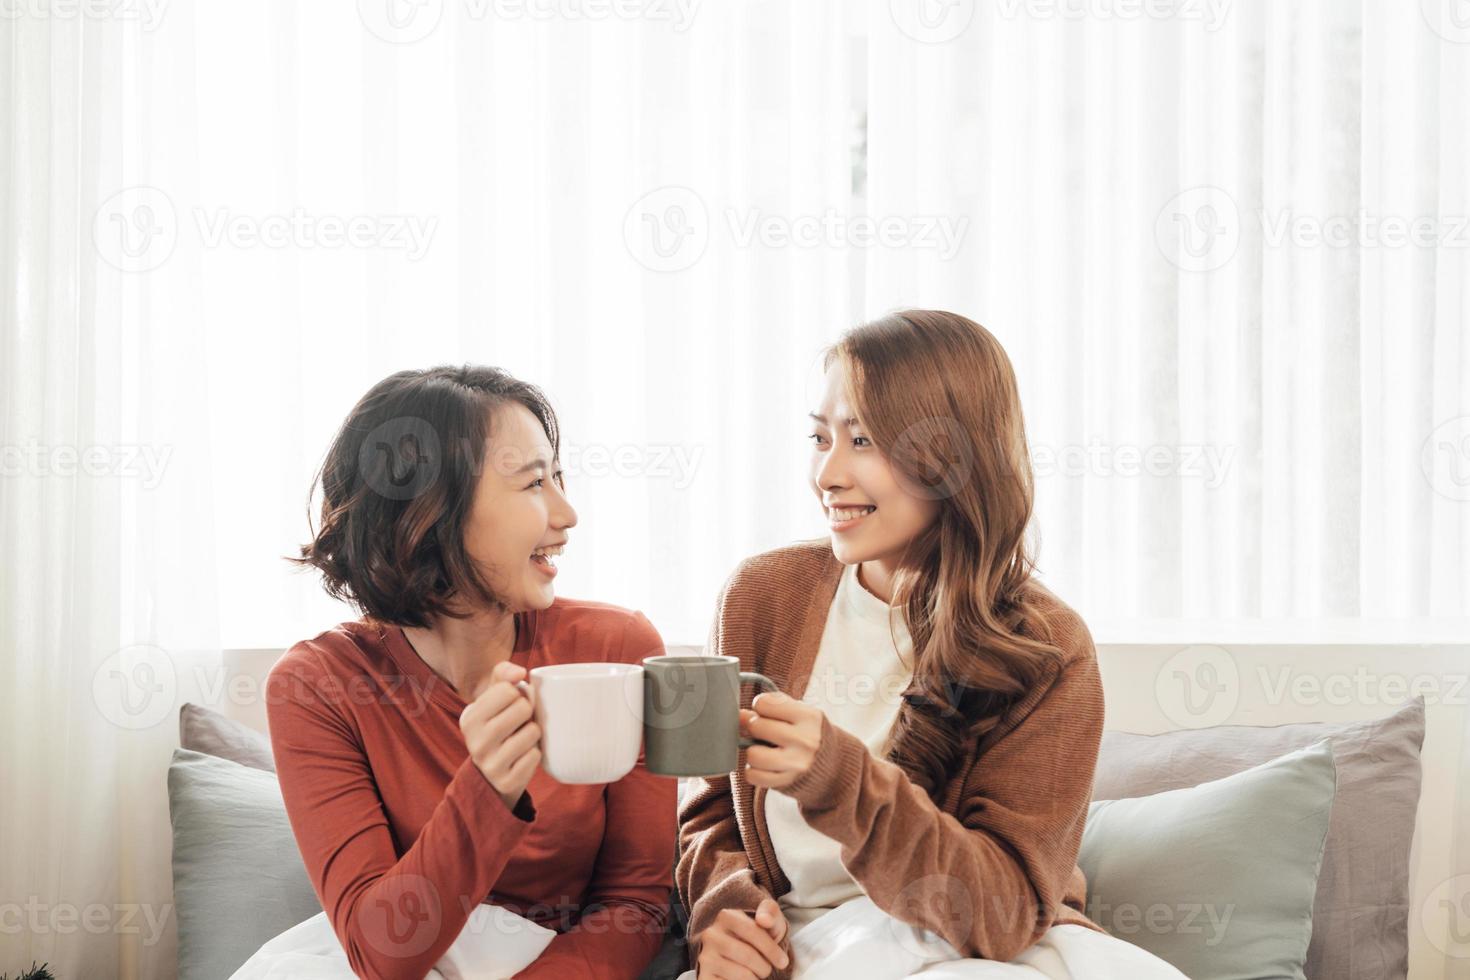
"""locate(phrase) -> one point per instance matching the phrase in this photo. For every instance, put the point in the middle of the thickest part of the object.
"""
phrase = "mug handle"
(759, 680)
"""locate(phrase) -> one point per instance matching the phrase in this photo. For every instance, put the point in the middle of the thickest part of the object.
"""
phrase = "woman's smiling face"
(870, 516)
(520, 509)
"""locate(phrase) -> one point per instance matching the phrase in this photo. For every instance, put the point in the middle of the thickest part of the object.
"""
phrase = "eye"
(861, 441)
(816, 438)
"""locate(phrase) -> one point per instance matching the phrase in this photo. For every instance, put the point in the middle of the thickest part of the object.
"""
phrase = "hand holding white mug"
(501, 733)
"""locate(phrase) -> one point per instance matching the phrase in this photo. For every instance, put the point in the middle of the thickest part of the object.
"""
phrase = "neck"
(465, 651)
(876, 576)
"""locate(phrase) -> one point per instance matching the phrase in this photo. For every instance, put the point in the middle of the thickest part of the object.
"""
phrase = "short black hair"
(397, 484)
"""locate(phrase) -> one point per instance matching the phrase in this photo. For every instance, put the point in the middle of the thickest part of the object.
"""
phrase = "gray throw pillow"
(1217, 879)
(1360, 918)
(207, 731)
(238, 876)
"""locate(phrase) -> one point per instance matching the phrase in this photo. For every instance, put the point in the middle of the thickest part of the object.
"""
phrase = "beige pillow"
(207, 731)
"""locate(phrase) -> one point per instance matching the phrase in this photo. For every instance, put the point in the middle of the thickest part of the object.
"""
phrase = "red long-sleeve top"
(403, 836)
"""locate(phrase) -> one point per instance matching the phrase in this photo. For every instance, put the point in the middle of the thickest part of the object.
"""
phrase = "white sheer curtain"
(1163, 204)
(222, 224)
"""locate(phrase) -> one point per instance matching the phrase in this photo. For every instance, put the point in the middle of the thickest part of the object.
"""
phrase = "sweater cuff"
(736, 891)
(838, 763)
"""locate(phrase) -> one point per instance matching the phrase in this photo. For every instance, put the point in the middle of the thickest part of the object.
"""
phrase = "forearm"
(915, 861)
(613, 942)
(399, 922)
(713, 872)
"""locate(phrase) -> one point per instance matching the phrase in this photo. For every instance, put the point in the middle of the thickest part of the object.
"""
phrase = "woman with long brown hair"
(929, 760)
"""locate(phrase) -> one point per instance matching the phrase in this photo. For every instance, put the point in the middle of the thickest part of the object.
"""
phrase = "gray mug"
(691, 713)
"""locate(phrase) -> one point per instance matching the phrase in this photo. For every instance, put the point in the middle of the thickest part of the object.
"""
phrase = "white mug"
(591, 719)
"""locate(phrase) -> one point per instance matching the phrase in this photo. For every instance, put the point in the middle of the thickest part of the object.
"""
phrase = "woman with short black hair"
(408, 757)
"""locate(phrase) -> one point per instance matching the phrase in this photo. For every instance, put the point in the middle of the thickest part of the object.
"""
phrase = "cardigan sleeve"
(713, 871)
(991, 880)
(394, 916)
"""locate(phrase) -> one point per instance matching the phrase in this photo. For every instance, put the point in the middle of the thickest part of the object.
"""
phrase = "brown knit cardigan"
(990, 871)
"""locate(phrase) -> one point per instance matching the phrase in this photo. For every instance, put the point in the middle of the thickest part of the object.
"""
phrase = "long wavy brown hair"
(938, 397)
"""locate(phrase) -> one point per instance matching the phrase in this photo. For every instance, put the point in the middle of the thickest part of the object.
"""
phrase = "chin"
(846, 553)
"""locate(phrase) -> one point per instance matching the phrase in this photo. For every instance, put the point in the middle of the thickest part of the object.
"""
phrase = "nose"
(831, 474)
(563, 514)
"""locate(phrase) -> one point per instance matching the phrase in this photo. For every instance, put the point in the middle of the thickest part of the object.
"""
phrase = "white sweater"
(862, 666)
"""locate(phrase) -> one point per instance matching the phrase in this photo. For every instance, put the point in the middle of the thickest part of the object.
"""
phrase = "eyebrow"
(850, 423)
(535, 464)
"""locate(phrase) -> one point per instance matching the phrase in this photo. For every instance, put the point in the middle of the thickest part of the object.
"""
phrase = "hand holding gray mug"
(691, 713)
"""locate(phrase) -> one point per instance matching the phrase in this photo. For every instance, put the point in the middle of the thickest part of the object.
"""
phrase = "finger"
(491, 702)
(510, 718)
(775, 919)
(759, 939)
(719, 968)
(736, 956)
(768, 779)
(773, 731)
(768, 759)
(764, 913)
(518, 744)
(508, 671)
(525, 766)
(777, 704)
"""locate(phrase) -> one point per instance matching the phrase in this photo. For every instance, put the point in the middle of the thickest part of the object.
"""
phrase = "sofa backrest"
(1158, 687)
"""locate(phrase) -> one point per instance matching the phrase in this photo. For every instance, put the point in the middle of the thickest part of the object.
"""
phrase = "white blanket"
(494, 944)
(859, 941)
